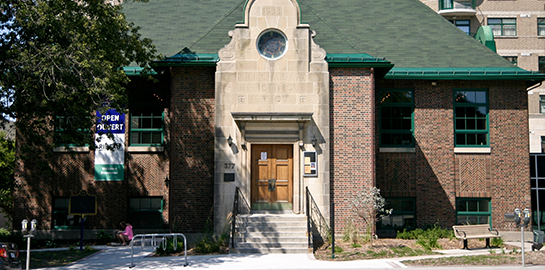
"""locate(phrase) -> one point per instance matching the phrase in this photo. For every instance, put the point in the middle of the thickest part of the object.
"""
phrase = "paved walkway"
(120, 258)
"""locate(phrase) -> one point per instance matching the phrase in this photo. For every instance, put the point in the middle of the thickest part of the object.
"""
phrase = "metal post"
(142, 238)
(522, 237)
(28, 236)
(332, 230)
(308, 219)
(81, 233)
(234, 217)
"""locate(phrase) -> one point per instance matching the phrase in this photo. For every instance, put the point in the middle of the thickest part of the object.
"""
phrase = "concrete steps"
(271, 233)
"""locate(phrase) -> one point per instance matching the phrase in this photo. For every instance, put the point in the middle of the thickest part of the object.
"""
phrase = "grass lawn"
(41, 259)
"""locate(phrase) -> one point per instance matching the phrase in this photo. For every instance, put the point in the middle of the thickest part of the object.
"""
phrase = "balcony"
(457, 7)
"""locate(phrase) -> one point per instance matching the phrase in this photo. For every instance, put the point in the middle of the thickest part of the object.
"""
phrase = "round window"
(272, 44)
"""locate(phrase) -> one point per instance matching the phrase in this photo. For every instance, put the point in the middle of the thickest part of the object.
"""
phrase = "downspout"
(373, 146)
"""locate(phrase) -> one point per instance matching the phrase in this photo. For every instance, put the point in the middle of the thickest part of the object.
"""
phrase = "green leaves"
(7, 165)
(63, 58)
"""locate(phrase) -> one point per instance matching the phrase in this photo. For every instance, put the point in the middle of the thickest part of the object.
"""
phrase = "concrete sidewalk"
(120, 258)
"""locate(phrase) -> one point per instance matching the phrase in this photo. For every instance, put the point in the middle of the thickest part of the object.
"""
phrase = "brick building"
(519, 34)
(275, 97)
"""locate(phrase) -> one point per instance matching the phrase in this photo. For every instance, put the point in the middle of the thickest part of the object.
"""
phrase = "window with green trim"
(456, 4)
(463, 25)
(503, 26)
(473, 211)
(403, 214)
(61, 219)
(396, 117)
(67, 132)
(541, 61)
(541, 26)
(146, 212)
(471, 117)
(146, 125)
(541, 103)
(512, 59)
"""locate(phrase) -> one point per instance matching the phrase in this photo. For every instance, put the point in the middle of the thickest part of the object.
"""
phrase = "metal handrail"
(234, 218)
(239, 201)
(316, 223)
(155, 244)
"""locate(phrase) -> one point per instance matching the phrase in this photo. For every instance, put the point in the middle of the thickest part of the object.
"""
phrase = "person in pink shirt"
(126, 235)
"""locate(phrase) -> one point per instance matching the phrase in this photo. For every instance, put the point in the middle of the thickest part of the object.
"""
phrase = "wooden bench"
(474, 232)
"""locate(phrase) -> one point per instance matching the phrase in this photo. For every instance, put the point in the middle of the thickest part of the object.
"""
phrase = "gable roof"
(405, 32)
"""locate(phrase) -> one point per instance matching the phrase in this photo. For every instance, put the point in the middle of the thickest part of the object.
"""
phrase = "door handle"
(272, 184)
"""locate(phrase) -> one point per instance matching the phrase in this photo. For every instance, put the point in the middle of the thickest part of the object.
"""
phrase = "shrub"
(433, 231)
(355, 245)
(50, 243)
(351, 233)
(4, 232)
(429, 242)
(17, 238)
(427, 238)
(497, 242)
(208, 245)
(338, 249)
(161, 250)
(103, 238)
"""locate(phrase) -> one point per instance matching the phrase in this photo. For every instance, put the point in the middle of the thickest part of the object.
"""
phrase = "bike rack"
(155, 245)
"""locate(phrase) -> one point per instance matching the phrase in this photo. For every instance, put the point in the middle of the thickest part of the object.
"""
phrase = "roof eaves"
(137, 71)
(183, 59)
(360, 60)
(484, 73)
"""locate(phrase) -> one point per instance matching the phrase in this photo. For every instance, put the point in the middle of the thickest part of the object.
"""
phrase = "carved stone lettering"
(268, 99)
(248, 88)
(289, 77)
(284, 99)
(280, 88)
(272, 11)
(246, 77)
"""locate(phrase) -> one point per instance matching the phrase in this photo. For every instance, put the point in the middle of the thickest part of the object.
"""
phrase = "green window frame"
(541, 103)
(396, 114)
(63, 134)
(147, 117)
(61, 219)
(146, 129)
(473, 211)
(403, 214)
(541, 26)
(464, 25)
(146, 212)
(456, 4)
(471, 124)
(541, 63)
(503, 26)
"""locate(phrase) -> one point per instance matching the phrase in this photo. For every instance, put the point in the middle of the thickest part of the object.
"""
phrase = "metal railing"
(240, 206)
(155, 244)
(317, 227)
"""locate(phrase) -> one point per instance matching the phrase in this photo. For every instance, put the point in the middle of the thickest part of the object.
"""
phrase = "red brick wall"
(41, 178)
(352, 143)
(192, 148)
(510, 150)
(441, 175)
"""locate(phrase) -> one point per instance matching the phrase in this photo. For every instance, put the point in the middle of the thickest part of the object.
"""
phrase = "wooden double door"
(272, 177)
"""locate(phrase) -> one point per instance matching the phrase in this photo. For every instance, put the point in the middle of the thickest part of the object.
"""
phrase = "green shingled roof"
(405, 32)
